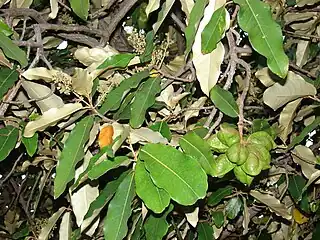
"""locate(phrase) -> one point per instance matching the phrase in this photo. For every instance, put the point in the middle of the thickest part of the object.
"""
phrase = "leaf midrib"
(125, 203)
(6, 79)
(215, 26)
(77, 151)
(227, 103)
(174, 173)
(6, 140)
(262, 32)
(194, 147)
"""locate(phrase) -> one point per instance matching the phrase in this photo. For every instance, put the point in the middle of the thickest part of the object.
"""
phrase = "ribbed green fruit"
(262, 138)
(252, 166)
(228, 135)
(222, 166)
(216, 145)
(242, 176)
(237, 153)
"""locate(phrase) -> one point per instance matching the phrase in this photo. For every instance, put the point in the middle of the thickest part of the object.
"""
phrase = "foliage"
(147, 119)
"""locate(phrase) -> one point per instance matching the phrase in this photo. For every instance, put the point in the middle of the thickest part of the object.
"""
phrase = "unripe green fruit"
(242, 176)
(262, 153)
(216, 144)
(262, 138)
(252, 166)
(222, 166)
(228, 135)
(237, 153)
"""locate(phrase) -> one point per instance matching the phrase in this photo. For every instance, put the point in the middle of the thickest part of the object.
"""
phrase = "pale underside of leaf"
(50, 118)
(295, 87)
(208, 65)
(38, 91)
(152, 6)
(286, 118)
(166, 7)
(273, 203)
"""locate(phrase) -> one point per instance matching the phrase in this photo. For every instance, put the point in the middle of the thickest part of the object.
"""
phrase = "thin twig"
(302, 35)
(11, 95)
(11, 171)
(301, 70)
(214, 125)
(180, 24)
(173, 77)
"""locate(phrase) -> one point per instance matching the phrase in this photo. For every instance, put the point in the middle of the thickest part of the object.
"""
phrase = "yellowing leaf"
(295, 86)
(105, 136)
(50, 118)
(82, 82)
(299, 217)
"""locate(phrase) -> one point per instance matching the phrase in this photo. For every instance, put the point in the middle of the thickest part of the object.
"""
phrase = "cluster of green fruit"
(247, 158)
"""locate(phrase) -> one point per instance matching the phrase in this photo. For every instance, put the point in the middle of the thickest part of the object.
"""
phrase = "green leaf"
(31, 144)
(7, 79)
(156, 226)
(105, 195)
(199, 149)
(144, 98)
(264, 33)
(224, 101)
(167, 165)
(119, 211)
(156, 199)
(5, 29)
(316, 232)
(120, 60)
(146, 56)
(101, 168)
(205, 231)
(165, 9)
(71, 154)
(296, 185)
(115, 97)
(8, 139)
(218, 218)
(163, 128)
(304, 133)
(123, 112)
(12, 51)
(213, 31)
(233, 207)
(84, 175)
(81, 8)
(218, 195)
(195, 17)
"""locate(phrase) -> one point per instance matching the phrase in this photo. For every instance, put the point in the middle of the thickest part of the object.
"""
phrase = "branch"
(243, 95)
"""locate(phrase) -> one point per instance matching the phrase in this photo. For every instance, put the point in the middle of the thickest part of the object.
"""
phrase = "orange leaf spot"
(105, 136)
